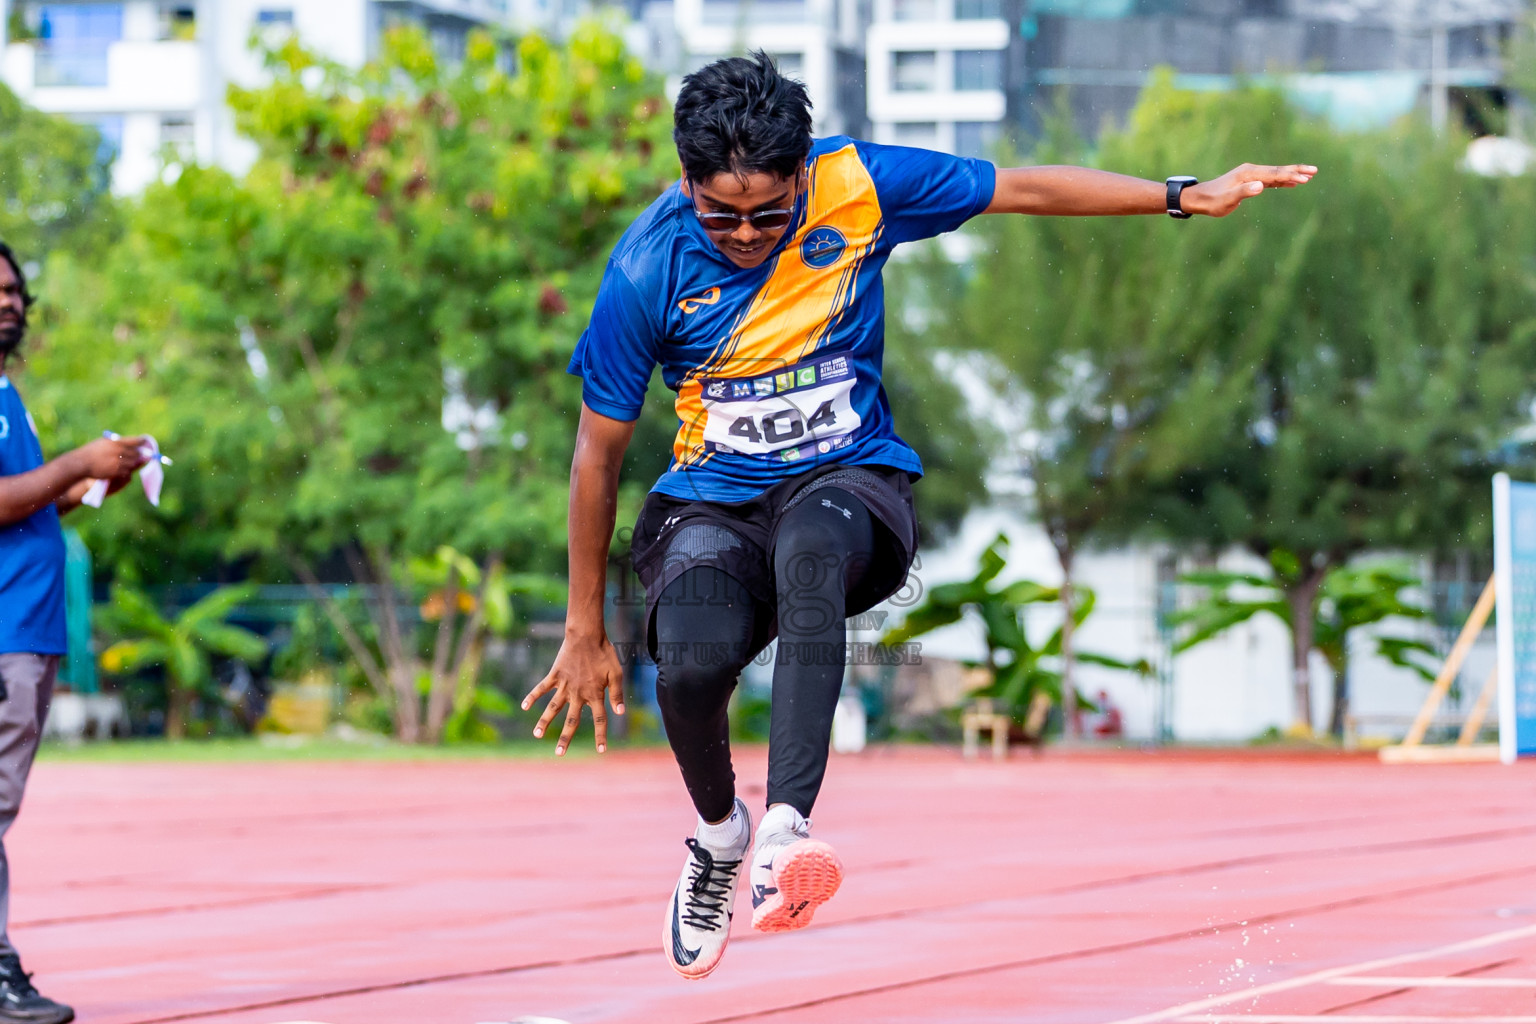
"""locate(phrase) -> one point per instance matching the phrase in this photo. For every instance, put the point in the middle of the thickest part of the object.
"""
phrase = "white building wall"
(901, 116)
(151, 81)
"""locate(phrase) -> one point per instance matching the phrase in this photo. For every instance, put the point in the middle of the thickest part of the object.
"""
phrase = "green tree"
(465, 605)
(932, 414)
(1350, 596)
(357, 353)
(54, 176)
(1329, 371)
(183, 645)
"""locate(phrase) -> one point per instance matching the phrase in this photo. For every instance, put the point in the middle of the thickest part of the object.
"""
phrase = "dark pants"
(709, 626)
(28, 680)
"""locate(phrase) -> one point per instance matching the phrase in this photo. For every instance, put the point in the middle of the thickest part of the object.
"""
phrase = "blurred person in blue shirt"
(33, 494)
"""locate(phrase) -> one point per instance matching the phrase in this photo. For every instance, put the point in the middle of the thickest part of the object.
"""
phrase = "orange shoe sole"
(807, 874)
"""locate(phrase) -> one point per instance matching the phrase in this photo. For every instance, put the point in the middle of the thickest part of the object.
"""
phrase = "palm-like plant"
(1349, 597)
(183, 644)
(1026, 678)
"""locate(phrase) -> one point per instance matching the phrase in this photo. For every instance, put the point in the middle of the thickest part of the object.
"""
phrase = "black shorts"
(673, 535)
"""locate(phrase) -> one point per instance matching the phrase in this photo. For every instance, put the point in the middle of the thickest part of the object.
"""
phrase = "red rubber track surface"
(1071, 887)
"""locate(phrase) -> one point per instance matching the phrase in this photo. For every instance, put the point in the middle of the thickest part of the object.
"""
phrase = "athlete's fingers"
(600, 724)
(616, 692)
(568, 733)
(545, 685)
(1288, 176)
(1275, 176)
(555, 703)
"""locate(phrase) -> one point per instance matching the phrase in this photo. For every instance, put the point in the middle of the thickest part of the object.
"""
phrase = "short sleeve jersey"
(776, 368)
(32, 550)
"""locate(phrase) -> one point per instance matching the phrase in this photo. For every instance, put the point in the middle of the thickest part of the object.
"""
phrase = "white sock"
(783, 818)
(730, 834)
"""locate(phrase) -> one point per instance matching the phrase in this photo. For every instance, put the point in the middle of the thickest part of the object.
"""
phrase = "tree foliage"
(356, 353)
(932, 413)
(54, 176)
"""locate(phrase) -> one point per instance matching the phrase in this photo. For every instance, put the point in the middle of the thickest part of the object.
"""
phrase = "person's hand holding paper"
(151, 475)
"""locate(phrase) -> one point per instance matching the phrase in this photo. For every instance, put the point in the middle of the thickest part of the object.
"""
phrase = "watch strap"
(1176, 187)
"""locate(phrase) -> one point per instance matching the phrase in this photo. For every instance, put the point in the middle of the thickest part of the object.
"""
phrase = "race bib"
(794, 413)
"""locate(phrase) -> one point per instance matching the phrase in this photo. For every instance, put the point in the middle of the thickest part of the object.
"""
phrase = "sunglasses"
(762, 220)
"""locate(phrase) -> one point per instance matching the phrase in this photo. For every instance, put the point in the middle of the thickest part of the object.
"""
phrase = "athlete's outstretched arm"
(1084, 192)
(587, 665)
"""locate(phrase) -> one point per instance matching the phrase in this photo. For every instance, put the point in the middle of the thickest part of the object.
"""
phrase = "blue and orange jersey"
(776, 368)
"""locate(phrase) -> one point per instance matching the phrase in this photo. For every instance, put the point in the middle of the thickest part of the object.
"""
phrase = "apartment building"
(1359, 62)
(936, 74)
(951, 74)
(152, 75)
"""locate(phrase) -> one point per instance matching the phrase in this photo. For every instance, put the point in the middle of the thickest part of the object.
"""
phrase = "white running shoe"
(698, 923)
(792, 874)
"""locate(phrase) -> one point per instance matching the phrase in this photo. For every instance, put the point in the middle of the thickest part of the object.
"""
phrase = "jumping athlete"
(755, 283)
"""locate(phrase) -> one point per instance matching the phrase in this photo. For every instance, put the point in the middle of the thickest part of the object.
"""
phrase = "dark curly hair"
(27, 298)
(741, 116)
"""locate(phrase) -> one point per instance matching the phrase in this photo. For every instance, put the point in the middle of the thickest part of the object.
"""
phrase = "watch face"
(1183, 179)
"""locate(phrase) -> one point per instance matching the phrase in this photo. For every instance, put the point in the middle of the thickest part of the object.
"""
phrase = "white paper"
(152, 473)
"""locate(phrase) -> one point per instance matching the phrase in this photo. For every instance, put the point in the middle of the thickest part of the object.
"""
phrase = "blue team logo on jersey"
(822, 247)
(5, 428)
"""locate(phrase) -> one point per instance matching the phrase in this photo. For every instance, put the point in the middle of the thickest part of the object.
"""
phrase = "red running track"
(1105, 888)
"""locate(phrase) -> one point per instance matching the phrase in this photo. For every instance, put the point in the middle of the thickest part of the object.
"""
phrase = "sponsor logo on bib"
(800, 411)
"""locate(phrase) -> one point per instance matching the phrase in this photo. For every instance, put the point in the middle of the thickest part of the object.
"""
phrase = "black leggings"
(708, 627)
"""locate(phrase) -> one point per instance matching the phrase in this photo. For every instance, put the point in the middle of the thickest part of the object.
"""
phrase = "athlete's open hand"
(1220, 196)
(582, 673)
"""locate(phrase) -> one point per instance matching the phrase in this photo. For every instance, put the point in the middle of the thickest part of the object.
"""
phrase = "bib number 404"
(783, 426)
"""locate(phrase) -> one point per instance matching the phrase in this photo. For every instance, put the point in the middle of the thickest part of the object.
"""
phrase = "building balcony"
(766, 12)
(767, 23)
(120, 77)
(937, 105)
(980, 34)
(492, 11)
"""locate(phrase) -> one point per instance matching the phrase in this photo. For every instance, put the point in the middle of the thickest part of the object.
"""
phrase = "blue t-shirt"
(776, 368)
(31, 551)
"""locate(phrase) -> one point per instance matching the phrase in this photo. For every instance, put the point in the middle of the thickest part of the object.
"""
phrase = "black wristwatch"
(1177, 184)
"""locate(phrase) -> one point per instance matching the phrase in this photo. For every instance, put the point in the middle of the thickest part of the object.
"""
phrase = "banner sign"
(1514, 569)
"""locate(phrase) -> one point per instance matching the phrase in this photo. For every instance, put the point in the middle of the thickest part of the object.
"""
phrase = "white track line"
(1187, 1009)
(1378, 981)
(1340, 1018)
